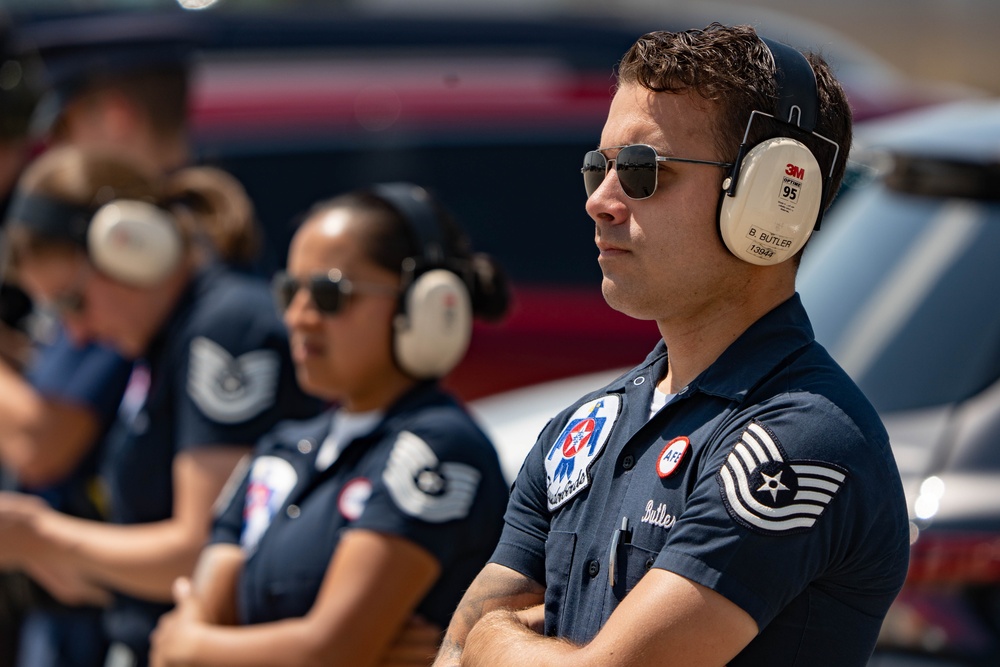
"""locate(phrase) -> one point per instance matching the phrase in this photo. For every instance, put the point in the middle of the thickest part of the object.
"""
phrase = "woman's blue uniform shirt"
(768, 479)
(426, 473)
(218, 373)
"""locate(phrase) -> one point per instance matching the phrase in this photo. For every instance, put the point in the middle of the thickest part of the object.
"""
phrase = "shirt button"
(649, 563)
(305, 446)
(293, 511)
(593, 568)
(628, 462)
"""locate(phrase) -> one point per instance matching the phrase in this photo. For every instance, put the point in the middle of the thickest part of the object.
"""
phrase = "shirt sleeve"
(92, 376)
(230, 381)
(527, 520)
(434, 487)
(788, 499)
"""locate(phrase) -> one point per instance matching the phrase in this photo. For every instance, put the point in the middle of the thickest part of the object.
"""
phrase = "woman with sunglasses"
(349, 527)
(127, 258)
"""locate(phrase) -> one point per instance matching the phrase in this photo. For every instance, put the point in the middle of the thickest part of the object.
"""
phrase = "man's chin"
(619, 299)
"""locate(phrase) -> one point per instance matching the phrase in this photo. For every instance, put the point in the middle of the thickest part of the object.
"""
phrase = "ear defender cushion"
(134, 242)
(433, 331)
(776, 202)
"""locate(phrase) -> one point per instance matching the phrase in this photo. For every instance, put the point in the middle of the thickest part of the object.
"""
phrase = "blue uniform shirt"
(219, 372)
(93, 377)
(768, 479)
(426, 473)
(90, 375)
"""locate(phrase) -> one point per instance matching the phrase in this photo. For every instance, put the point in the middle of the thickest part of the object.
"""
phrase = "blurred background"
(302, 99)
(941, 40)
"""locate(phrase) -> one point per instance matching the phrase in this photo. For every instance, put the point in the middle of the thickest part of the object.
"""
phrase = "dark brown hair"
(388, 240)
(732, 68)
(205, 202)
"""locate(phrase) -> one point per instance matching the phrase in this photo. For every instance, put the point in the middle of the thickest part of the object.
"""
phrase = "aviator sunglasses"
(329, 292)
(636, 166)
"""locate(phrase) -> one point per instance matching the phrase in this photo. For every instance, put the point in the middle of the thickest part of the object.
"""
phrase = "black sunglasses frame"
(637, 174)
(329, 292)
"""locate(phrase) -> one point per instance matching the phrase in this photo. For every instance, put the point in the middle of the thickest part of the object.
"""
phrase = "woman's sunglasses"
(329, 292)
(636, 166)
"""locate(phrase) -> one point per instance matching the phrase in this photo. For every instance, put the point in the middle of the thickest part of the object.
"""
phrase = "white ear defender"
(131, 241)
(433, 328)
(134, 242)
(773, 199)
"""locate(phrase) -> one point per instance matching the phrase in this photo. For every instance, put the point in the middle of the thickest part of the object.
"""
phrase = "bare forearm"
(289, 643)
(500, 639)
(141, 560)
(216, 578)
(496, 587)
(41, 440)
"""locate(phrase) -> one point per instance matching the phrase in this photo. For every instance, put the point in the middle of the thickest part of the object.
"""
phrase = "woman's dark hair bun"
(490, 288)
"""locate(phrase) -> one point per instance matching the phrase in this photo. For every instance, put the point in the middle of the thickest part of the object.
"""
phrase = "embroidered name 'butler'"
(568, 461)
(768, 494)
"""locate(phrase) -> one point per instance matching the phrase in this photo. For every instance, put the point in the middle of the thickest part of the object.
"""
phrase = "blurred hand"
(66, 584)
(172, 643)
(20, 541)
(415, 645)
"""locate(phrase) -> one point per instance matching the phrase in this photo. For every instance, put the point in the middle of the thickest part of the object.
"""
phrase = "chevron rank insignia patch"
(425, 487)
(231, 390)
(769, 494)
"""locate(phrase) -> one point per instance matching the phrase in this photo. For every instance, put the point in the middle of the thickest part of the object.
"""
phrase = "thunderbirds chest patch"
(271, 480)
(769, 494)
(568, 461)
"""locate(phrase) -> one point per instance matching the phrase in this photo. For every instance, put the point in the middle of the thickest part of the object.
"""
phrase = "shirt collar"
(752, 356)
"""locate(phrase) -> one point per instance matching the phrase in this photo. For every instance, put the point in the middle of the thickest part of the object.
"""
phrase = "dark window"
(903, 291)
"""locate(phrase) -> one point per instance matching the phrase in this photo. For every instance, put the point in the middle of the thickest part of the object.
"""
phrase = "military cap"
(76, 52)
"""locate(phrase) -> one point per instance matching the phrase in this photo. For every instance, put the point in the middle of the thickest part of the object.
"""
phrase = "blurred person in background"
(17, 99)
(109, 82)
(125, 256)
(117, 81)
(380, 510)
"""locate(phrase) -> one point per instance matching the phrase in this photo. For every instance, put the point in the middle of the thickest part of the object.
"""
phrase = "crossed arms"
(665, 620)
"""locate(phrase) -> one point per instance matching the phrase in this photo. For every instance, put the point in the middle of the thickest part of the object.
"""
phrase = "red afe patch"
(671, 456)
(353, 498)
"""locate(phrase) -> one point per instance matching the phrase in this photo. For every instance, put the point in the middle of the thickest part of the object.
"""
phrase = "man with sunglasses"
(733, 498)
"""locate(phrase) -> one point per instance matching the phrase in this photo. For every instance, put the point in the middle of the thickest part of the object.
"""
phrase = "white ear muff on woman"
(134, 242)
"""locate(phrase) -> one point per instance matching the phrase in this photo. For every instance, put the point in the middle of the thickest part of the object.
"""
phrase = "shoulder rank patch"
(424, 487)
(768, 494)
(568, 461)
(231, 390)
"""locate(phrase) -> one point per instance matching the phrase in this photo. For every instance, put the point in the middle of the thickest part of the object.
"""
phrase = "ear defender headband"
(133, 242)
(432, 330)
(773, 199)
